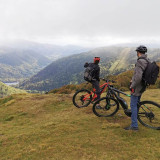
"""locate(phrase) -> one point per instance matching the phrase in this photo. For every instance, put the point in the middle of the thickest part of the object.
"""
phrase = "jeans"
(134, 110)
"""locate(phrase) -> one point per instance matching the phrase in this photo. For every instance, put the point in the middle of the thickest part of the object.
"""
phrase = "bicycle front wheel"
(82, 98)
(107, 107)
(149, 114)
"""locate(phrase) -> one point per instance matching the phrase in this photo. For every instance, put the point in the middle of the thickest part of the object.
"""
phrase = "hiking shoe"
(131, 128)
(98, 106)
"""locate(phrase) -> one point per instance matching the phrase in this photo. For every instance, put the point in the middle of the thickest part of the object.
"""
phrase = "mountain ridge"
(22, 59)
(69, 70)
(19, 63)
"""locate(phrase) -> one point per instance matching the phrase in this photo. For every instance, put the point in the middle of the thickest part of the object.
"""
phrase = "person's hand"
(132, 90)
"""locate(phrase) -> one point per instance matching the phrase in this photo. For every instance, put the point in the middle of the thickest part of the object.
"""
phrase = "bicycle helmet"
(141, 49)
(96, 59)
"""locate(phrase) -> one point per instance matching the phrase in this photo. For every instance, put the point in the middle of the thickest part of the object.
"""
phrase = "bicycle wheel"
(82, 98)
(107, 107)
(149, 114)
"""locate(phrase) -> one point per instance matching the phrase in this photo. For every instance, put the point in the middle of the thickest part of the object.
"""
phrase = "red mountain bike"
(82, 98)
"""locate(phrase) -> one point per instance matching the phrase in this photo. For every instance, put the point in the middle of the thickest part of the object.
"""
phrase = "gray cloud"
(80, 21)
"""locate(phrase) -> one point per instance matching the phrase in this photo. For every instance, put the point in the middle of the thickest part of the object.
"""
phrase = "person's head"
(96, 60)
(141, 50)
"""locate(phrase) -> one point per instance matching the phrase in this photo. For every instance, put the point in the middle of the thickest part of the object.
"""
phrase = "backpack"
(150, 74)
(88, 73)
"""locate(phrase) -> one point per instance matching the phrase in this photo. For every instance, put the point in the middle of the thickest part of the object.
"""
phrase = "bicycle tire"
(104, 111)
(149, 114)
(76, 98)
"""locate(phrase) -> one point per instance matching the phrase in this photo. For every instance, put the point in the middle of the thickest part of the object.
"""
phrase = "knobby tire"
(104, 103)
(149, 114)
(78, 98)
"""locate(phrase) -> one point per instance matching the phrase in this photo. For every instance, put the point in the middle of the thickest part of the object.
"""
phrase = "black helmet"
(141, 49)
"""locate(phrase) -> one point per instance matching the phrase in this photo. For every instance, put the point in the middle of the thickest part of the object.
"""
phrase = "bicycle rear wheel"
(107, 107)
(82, 98)
(149, 114)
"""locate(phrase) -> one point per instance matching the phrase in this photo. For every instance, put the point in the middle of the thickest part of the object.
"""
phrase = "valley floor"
(50, 127)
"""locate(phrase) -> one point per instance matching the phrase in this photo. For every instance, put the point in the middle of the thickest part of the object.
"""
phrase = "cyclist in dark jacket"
(95, 75)
(137, 86)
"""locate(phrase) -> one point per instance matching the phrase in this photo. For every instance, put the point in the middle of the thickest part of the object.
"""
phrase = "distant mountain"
(50, 51)
(18, 64)
(69, 70)
(22, 59)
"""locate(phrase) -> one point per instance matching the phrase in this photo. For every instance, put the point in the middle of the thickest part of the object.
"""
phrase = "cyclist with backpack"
(137, 86)
(145, 73)
(92, 73)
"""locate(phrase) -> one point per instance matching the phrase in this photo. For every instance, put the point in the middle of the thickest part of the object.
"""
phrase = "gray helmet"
(141, 49)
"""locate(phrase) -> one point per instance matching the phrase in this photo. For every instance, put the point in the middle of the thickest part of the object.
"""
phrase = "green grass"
(35, 127)
(5, 100)
(8, 90)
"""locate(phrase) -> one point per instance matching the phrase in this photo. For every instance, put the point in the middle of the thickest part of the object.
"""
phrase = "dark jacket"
(96, 72)
(137, 83)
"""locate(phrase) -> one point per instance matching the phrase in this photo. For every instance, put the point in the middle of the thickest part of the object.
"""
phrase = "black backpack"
(88, 73)
(151, 72)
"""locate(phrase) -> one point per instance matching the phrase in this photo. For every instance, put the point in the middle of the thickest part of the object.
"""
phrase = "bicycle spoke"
(149, 115)
(105, 107)
(82, 98)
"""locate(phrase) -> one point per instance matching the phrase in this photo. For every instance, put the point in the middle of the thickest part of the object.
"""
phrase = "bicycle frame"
(122, 101)
(116, 93)
(102, 88)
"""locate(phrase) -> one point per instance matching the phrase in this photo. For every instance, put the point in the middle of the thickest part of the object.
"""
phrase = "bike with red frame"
(82, 98)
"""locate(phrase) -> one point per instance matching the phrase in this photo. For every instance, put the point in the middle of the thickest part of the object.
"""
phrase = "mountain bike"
(82, 98)
(148, 111)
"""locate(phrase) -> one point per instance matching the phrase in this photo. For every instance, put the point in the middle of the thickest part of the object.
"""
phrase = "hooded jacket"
(137, 83)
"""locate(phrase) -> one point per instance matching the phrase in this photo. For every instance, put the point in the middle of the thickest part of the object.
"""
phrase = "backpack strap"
(147, 60)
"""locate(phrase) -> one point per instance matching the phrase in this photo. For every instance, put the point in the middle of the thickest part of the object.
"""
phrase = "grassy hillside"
(39, 127)
(7, 90)
(69, 70)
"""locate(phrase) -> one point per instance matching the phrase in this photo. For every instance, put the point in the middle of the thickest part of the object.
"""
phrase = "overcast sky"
(80, 22)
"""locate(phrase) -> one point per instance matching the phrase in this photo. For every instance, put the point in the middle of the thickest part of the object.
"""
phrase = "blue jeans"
(134, 110)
